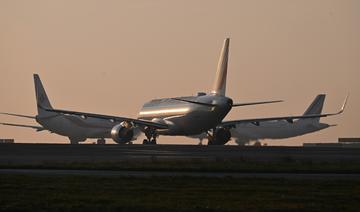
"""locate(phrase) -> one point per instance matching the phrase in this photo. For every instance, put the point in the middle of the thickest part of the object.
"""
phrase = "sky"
(111, 56)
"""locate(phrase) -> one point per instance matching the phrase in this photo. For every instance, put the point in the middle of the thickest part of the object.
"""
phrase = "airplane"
(76, 128)
(177, 116)
(278, 129)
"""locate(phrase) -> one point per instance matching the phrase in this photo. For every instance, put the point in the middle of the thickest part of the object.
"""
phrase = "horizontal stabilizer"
(18, 115)
(256, 103)
(195, 102)
(37, 128)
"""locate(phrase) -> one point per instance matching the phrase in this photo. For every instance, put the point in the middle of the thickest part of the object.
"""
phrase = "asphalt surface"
(40, 153)
(108, 173)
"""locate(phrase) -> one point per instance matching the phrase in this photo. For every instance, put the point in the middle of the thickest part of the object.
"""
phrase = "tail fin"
(315, 108)
(41, 98)
(219, 87)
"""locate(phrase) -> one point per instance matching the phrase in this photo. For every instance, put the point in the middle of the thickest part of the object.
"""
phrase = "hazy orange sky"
(111, 56)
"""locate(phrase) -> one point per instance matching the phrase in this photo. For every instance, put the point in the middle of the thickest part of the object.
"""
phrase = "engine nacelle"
(122, 133)
(221, 137)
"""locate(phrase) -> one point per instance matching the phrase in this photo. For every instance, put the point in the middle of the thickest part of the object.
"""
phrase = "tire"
(153, 141)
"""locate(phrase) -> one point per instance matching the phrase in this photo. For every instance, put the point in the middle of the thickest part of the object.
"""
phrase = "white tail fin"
(41, 98)
(219, 87)
(315, 108)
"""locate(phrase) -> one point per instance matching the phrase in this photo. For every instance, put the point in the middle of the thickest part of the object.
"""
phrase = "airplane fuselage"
(187, 118)
(245, 133)
(75, 127)
(276, 130)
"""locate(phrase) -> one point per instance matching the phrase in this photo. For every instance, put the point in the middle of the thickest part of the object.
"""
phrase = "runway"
(40, 153)
(223, 176)
(146, 174)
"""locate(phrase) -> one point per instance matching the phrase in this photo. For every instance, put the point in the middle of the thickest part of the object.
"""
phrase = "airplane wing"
(234, 105)
(37, 128)
(290, 119)
(113, 118)
(255, 103)
(195, 102)
(18, 115)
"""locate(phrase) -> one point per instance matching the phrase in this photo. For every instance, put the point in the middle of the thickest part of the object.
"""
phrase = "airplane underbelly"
(188, 125)
(61, 126)
(267, 131)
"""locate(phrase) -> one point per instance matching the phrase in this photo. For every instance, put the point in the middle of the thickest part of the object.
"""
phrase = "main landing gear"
(150, 134)
(100, 141)
(219, 136)
(74, 141)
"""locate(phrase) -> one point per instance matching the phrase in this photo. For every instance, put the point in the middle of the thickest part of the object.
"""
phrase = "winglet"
(341, 109)
(344, 104)
(219, 87)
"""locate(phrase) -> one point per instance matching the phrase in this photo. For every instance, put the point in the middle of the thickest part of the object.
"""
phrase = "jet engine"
(122, 133)
(220, 137)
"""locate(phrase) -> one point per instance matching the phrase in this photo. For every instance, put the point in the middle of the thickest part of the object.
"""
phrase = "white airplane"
(178, 116)
(246, 133)
(76, 128)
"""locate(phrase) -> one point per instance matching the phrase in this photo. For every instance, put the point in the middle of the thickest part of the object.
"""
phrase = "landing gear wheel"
(101, 141)
(150, 134)
(153, 141)
(210, 142)
(74, 142)
(219, 136)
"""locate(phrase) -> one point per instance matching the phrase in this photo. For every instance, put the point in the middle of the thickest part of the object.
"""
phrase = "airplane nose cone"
(324, 126)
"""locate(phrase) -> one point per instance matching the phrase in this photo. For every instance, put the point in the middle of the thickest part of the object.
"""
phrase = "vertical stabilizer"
(42, 99)
(219, 87)
(315, 108)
